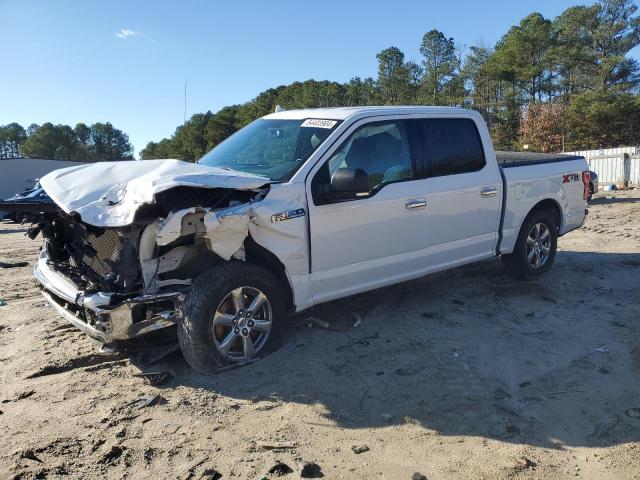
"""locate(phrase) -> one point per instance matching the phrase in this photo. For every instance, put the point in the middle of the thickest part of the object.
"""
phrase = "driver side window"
(380, 149)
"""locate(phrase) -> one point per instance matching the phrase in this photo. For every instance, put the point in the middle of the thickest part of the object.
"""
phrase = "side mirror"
(350, 180)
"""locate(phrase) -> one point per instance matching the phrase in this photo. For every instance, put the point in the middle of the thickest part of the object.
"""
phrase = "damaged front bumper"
(105, 316)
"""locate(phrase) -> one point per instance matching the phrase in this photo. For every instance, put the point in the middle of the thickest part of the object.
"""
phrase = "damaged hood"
(108, 194)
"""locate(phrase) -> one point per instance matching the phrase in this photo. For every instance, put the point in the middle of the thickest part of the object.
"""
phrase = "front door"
(370, 240)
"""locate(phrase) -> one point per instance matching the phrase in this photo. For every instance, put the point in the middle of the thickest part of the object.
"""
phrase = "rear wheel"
(535, 248)
(234, 313)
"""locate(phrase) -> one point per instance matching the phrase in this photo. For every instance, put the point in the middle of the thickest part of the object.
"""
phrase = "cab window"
(380, 149)
(447, 146)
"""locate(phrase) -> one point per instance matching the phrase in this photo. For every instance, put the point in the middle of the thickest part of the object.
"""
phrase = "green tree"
(83, 133)
(11, 137)
(618, 32)
(109, 143)
(221, 125)
(573, 54)
(189, 141)
(593, 43)
(602, 119)
(481, 86)
(415, 73)
(31, 129)
(362, 92)
(440, 64)
(393, 76)
(51, 141)
(523, 57)
(159, 150)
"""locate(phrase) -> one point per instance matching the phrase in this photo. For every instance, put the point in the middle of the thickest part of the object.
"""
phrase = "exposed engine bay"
(134, 259)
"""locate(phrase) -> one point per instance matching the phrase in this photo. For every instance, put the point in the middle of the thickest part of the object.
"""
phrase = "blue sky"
(126, 61)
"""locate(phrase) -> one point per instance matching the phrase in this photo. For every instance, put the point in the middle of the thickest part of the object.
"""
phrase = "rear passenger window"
(448, 146)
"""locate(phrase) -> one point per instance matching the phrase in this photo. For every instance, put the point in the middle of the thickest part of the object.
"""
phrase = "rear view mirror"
(345, 184)
(350, 180)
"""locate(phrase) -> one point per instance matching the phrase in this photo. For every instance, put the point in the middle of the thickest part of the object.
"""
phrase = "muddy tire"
(234, 313)
(535, 248)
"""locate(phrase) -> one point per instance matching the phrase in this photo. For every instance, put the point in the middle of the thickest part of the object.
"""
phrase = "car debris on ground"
(357, 449)
(147, 401)
(280, 469)
(276, 445)
(524, 463)
(155, 379)
(13, 264)
(310, 470)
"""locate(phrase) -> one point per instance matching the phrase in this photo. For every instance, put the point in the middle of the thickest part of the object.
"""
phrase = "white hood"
(108, 194)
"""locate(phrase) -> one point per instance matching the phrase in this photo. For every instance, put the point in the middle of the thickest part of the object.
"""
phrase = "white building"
(20, 174)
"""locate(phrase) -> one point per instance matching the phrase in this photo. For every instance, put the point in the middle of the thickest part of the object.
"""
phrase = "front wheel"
(234, 313)
(535, 248)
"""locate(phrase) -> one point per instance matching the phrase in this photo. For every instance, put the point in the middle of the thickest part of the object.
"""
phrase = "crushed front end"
(92, 277)
(124, 240)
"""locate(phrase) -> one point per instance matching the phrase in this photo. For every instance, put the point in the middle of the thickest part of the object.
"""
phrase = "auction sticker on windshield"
(319, 123)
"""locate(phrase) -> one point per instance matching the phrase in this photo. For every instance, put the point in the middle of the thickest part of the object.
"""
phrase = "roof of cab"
(342, 113)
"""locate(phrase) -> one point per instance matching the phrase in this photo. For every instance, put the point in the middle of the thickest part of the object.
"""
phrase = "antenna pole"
(184, 120)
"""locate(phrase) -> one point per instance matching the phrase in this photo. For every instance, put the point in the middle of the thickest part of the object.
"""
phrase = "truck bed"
(520, 159)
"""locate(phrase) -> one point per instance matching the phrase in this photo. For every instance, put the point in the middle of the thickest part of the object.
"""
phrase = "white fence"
(620, 166)
(607, 152)
(634, 171)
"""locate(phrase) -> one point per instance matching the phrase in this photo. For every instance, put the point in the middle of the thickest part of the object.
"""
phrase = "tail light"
(586, 180)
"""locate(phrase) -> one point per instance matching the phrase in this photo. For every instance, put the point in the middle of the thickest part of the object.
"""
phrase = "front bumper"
(100, 315)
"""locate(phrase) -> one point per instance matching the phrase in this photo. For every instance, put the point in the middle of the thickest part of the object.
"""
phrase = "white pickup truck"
(298, 208)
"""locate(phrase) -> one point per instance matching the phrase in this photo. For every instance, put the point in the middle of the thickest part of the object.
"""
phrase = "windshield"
(271, 148)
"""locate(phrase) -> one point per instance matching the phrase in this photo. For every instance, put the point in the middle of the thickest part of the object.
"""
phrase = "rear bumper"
(98, 315)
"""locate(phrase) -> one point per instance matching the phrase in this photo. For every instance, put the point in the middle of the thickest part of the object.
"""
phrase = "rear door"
(463, 191)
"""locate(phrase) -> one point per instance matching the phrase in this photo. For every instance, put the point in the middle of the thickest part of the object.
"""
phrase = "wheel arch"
(258, 255)
(551, 206)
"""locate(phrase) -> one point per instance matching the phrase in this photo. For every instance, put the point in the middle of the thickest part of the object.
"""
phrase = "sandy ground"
(466, 374)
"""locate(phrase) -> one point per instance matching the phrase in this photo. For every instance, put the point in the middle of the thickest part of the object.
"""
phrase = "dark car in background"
(593, 184)
(28, 198)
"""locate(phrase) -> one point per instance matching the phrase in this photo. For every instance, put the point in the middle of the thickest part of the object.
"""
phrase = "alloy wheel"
(538, 245)
(242, 323)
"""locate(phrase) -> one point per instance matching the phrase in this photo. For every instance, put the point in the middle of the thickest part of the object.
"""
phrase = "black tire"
(196, 331)
(518, 263)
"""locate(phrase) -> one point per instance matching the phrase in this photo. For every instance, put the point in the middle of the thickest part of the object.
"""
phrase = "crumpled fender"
(227, 228)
